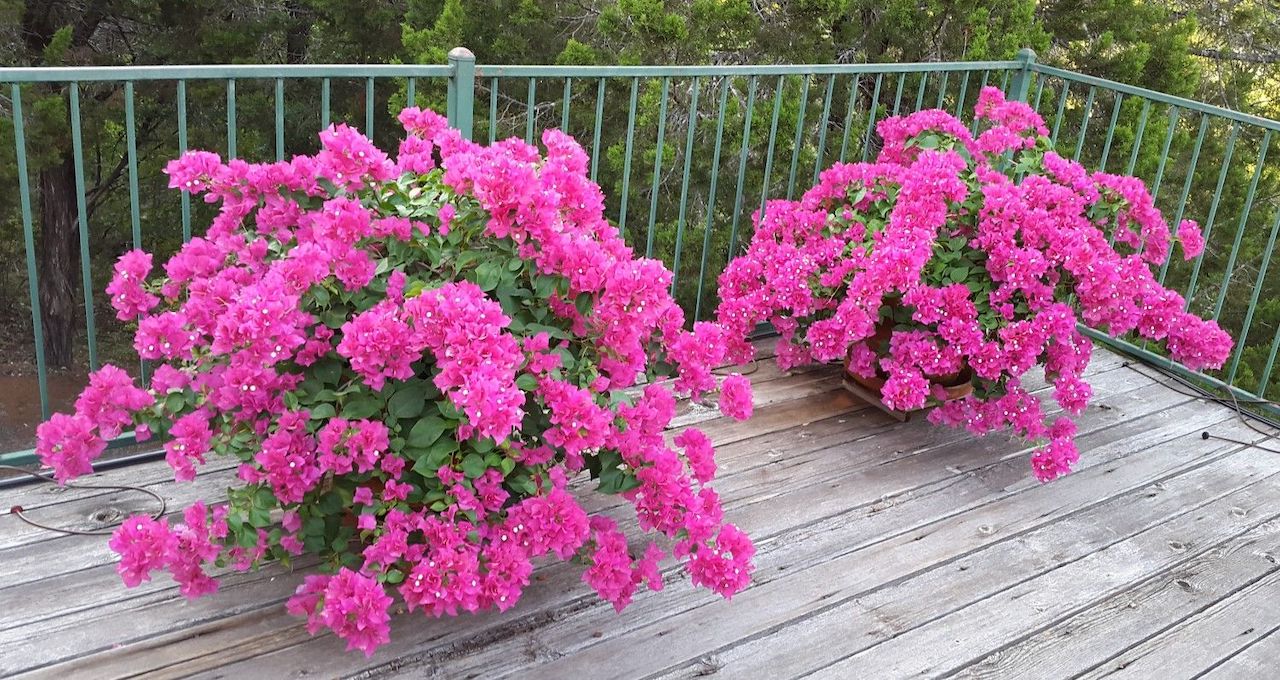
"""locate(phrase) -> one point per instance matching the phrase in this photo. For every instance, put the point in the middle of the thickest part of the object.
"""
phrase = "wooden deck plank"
(1258, 660)
(807, 644)
(1201, 641)
(762, 520)
(855, 517)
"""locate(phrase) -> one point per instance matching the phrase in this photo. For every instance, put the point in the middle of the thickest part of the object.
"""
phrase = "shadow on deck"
(885, 549)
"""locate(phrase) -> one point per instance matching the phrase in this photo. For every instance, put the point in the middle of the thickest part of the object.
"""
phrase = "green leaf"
(362, 407)
(527, 382)
(323, 411)
(473, 465)
(426, 431)
(328, 371)
(488, 276)
(408, 401)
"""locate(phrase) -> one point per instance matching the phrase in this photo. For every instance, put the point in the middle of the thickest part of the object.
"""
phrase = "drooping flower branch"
(980, 253)
(408, 359)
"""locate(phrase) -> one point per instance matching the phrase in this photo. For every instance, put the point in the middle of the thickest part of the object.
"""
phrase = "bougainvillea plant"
(978, 255)
(409, 359)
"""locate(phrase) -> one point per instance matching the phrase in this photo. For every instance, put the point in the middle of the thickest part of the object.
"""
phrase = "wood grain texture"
(885, 549)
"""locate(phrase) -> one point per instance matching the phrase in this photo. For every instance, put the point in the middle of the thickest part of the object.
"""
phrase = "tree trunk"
(57, 259)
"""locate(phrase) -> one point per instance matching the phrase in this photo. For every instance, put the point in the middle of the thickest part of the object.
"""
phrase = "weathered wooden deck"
(885, 550)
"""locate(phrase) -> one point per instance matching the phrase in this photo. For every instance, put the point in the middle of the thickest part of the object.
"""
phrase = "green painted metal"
(530, 110)
(185, 197)
(738, 205)
(1253, 303)
(684, 182)
(1057, 117)
(368, 107)
(1186, 187)
(848, 116)
(595, 134)
(657, 168)
(773, 138)
(324, 103)
(626, 156)
(823, 124)
(798, 142)
(29, 245)
(82, 220)
(1213, 210)
(493, 110)
(873, 108)
(756, 156)
(1171, 127)
(279, 105)
(1244, 220)
(131, 143)
(1111, 132)
(231, 118)
(1084, 123)
(564, 106)
(711, 199)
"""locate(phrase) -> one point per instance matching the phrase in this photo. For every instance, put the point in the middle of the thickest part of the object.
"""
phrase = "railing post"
(1022, 77)
(462, 90)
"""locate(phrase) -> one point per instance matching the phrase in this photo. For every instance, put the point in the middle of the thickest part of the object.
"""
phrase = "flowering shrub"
(980, 253)
(410, 358)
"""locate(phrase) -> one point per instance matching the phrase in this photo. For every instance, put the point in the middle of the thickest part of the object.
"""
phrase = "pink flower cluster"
(410, 358)
(995, 290)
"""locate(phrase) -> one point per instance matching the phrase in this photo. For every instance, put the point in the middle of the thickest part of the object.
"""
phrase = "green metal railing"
(685, 155)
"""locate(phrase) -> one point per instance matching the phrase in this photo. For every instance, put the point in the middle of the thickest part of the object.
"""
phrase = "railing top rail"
(538, 71)
(1180, 102)
(64, 74)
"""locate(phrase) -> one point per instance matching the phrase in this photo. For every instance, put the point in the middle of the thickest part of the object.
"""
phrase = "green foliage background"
(682, 201)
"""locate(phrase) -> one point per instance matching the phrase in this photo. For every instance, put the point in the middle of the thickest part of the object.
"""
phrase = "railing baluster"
(1084, 123)
(773, 136)
(324, 103)
(29, 244)
(1253, 301)
(942, 90)
(1137, 137)
(986, 75)
(595, 135)
(493, 110)
(184, 197)
(711, 198)
(529, 110)
(924, 80)
(684, 182)
(82, 219)
(822, 127)
(626, 155)
(279, 119)
(798, 142)
(231, 118)
(1057, 118)
(368, 107)
(1213, 210)
(848, 116)
(1186, 187)
(564, 109)
(1244, 221)
(1039, 92)
(1271, 363)
(964, 91)
(897, 97)
(657, 168)
(1164, 153)
(1111, 131)
(738, 205)
(131, 144)
(871, 117)
(411, 92)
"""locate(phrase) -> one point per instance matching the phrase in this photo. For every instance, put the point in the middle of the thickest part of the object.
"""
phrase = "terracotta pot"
(957, 385)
